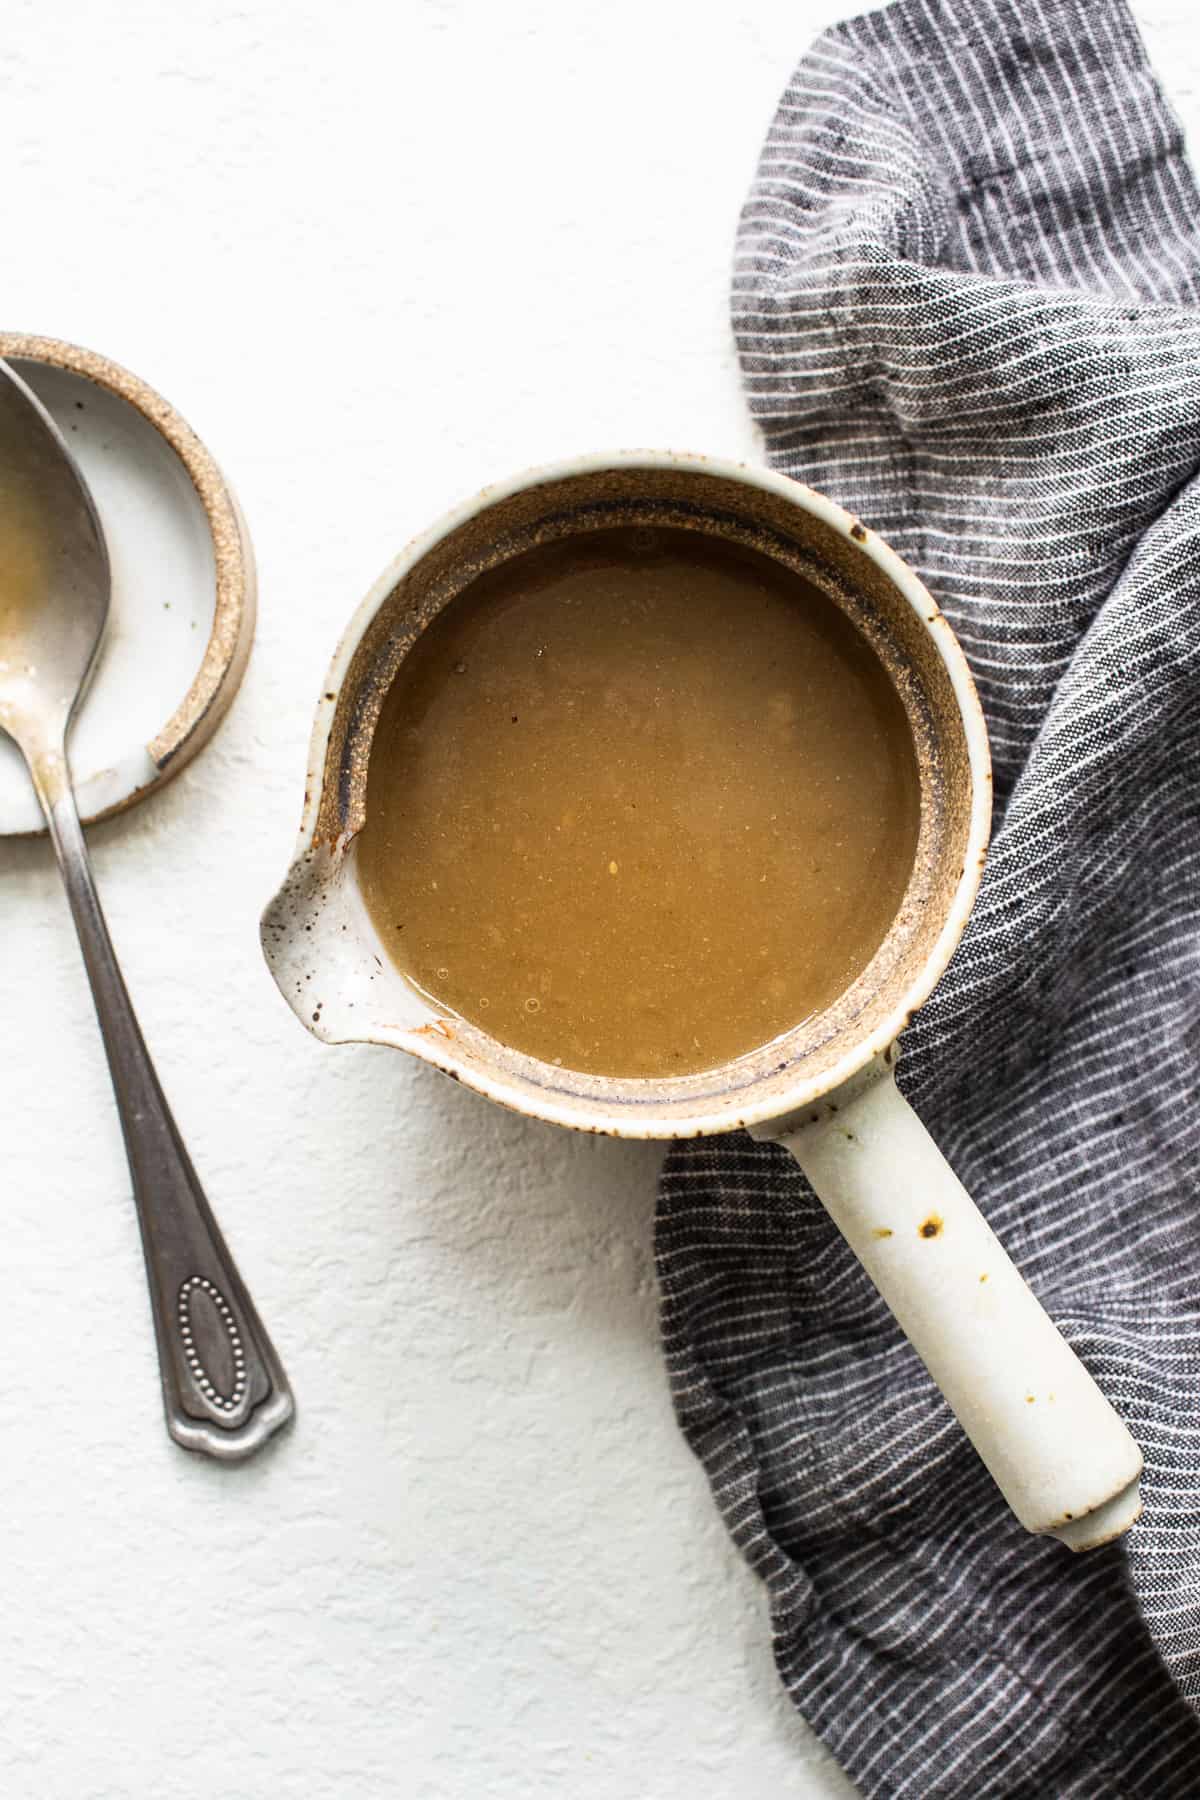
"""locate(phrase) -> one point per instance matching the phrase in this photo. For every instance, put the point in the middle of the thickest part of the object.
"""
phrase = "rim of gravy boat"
(285, 921)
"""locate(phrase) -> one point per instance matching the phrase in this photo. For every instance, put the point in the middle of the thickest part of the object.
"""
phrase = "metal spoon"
(224, 1389)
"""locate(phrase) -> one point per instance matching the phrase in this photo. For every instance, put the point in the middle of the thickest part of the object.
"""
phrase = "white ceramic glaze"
(1066, 1464)
(1058, 1453)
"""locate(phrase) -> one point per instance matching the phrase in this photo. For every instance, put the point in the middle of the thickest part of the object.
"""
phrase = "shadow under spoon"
(224, 1389)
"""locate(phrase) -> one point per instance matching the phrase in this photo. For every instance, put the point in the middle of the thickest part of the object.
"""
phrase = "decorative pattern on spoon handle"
(200, 1340)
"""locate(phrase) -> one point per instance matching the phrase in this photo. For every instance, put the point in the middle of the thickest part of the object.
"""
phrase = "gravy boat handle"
(1056, 1449)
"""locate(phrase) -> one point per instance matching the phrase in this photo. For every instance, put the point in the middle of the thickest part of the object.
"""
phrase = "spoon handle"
(224, 1388)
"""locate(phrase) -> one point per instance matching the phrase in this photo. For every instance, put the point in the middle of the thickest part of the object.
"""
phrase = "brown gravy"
(638, 802)
(25, 533)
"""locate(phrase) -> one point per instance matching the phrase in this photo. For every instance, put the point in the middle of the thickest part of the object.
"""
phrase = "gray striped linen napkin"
(965, 300)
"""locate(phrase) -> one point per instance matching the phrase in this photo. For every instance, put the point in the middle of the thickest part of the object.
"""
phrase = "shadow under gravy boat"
(1055, 1447)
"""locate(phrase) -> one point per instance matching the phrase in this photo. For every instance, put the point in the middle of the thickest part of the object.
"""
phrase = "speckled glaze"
(227, 649)
(825, 1091)
(322, 948)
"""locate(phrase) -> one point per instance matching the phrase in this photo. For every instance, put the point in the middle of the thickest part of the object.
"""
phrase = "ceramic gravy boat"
(1057, 1450)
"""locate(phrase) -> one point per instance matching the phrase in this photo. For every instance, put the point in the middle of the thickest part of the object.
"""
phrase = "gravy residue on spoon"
(639, 801)
(25, 533)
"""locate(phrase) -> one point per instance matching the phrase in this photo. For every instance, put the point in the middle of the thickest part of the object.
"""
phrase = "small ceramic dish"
(182, 615)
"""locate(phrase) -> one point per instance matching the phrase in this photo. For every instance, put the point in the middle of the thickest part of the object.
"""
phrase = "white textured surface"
(376, 256)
